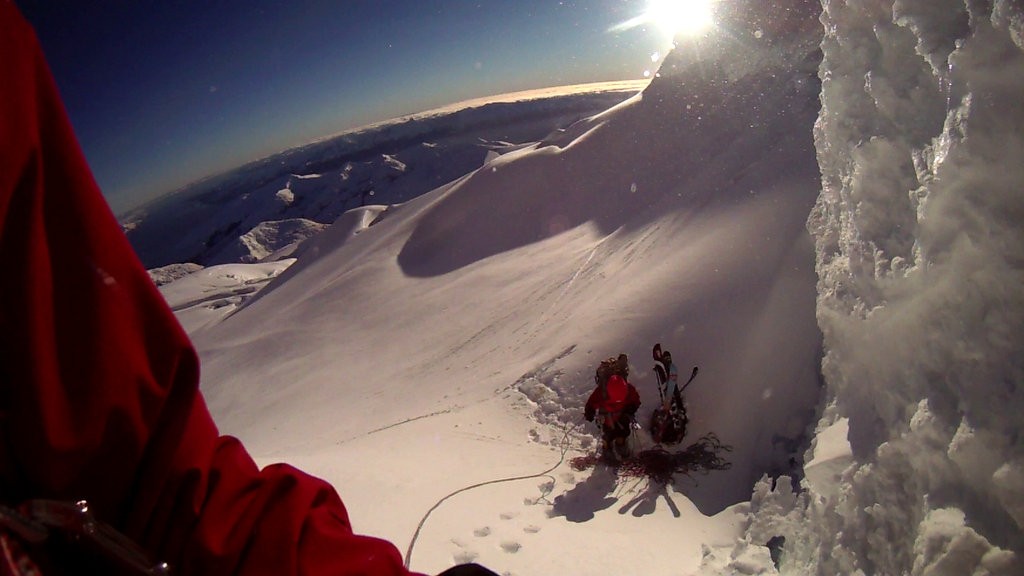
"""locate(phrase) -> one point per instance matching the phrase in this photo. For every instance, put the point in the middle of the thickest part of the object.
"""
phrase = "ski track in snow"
(535, 388)
(402, 423)
(568, 285)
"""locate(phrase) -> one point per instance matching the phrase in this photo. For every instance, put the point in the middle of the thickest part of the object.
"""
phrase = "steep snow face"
(678, 216)
(921, 293)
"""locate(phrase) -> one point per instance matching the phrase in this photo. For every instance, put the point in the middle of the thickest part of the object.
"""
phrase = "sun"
(673, 18)
(680, 17)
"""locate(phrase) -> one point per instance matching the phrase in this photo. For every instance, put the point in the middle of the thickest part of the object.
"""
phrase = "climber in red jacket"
(615, 401)
(99, 397)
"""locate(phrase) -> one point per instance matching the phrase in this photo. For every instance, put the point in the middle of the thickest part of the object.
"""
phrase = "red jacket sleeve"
(99, 395)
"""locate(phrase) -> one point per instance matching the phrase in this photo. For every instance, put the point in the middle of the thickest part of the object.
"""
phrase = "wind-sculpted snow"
(921, 294)
(388, 163)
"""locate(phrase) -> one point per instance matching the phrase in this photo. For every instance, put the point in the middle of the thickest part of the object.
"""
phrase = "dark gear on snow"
(668, 421)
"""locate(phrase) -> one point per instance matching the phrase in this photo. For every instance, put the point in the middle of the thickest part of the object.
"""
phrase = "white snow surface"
(843, 261)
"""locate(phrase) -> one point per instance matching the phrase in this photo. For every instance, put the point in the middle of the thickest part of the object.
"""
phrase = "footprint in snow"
(465, 556)
(481, 532)
(511, 547)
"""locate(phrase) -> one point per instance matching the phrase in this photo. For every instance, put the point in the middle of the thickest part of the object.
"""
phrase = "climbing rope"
(419, 527)
(659, 465)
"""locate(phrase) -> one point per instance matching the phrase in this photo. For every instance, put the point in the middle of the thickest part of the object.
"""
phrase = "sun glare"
(681, 17)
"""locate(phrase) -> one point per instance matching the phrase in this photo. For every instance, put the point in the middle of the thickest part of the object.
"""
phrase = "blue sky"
(164, 92)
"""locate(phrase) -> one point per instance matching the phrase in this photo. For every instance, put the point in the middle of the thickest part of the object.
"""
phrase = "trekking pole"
(692, 376)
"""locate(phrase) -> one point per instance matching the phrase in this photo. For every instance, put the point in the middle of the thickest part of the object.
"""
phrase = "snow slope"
(433, 365)
(453, 342)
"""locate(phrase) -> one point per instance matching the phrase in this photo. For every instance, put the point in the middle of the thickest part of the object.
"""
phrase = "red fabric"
(618, 395)
(616, 390)
(99, 390)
